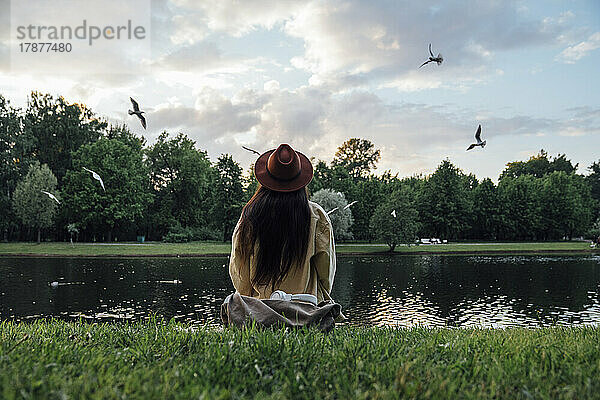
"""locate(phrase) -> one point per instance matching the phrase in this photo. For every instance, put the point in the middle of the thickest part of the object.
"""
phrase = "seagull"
(96, 177)
(439, 59)
(136, 111)
(330, 211)
(478, 137)
(393, 213)
(53, 197)
(350, 205)
(249, 149)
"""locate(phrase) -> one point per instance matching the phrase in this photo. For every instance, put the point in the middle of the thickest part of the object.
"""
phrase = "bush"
(180, 234)
(205, 233)
(594, 231)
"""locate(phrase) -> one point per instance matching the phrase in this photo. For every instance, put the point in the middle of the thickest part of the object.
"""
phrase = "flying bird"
(350, 205)
(393, 213)
(252, 150)
(53, 197)
(478, 138)
(330, 211)
(136, 111)
(439, 59)
(96, 177)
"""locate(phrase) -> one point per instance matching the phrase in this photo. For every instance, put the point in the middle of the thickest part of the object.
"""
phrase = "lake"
(426, 290)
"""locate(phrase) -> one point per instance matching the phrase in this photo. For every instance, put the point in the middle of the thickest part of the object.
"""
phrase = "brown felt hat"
(283, 169)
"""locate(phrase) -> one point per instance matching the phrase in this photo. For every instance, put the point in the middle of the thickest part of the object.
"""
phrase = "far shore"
(220, 249)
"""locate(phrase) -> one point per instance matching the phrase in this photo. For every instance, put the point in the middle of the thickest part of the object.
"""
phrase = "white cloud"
(271, 86)
(413, 137)
(235, 18)
(574, 53)
(385, 44)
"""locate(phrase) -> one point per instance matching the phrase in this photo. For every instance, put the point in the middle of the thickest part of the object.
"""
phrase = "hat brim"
(267, 180)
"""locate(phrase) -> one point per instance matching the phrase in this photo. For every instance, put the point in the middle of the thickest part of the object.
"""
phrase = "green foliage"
(126, 180)
(181, 177)
(404, 226)
(541, 198)
(487, 219)
(593, 180)
(521, 206)
(15, 158)
(444, 202)
(341, 219)
(594, 232)
(538, 166)
(357, 156)
(566, 205)
(228, 197)
(321, 176)
(59, 129)
(34, 208)
(250, 184)
(180, 234)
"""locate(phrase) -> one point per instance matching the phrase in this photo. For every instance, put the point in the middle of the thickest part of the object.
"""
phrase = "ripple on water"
(433, 290)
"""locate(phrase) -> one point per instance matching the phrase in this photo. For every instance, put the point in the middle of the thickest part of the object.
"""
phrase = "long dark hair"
(279, 223)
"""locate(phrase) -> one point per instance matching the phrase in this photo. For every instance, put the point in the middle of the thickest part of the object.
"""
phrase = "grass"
(154, 360)
(219, 248)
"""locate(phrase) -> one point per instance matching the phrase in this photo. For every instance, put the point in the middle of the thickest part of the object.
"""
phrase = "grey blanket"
(243, 311)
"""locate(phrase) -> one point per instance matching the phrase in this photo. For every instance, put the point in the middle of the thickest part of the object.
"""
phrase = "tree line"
(171, 191)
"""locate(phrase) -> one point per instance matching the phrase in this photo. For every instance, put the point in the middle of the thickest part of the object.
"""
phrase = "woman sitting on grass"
(283, 241)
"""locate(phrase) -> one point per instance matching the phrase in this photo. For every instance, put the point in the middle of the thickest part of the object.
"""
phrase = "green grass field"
(219, 248)
(172, 361)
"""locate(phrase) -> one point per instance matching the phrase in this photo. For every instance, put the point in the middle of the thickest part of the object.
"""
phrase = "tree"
(566, 205)
(444, 202)
(486, 211)
(181, 177)
(357, 156)
(228, 197)
(16, 150)
(126, 179)
(321, 176)
(341, 219)
(34, 208)
(59, 129)
(538, 165)
(593, 180)
(250, 184)
(520, 202)
(404, 226)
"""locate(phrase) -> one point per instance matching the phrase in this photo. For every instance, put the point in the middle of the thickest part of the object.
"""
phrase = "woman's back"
(282, 241)
(313, 274)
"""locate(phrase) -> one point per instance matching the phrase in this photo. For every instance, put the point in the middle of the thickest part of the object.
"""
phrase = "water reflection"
(482, 291)
(479, 291)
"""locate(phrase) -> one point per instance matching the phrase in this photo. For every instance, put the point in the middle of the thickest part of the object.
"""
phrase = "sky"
(316, 73)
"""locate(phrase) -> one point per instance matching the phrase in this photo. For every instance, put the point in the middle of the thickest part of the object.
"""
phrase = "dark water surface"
(484, 291)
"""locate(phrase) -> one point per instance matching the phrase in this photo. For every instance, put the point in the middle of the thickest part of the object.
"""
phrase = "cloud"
(236, 18)
(212, 116)
(572, 54)
(413, 137)
(385, 44)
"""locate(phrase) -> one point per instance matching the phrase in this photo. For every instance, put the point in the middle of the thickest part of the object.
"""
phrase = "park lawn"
(154, 360)
(220, 248)
(117, 249)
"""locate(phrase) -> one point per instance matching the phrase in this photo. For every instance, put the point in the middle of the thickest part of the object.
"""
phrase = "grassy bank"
(219, 248)
(170, 361)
